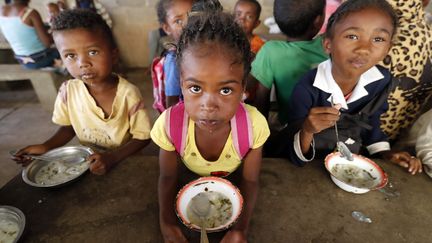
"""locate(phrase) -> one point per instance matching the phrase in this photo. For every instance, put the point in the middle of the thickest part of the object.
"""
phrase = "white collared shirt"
(324, 81)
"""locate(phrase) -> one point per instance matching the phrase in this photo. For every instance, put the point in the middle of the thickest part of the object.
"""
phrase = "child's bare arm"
(249, 189)
(262, 98)
(102, 162)
(318, 119)
(63, 135)
(405, 160)
(167, 189)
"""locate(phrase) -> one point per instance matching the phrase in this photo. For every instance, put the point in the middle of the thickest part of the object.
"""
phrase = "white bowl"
(205, 184)
(358, 176)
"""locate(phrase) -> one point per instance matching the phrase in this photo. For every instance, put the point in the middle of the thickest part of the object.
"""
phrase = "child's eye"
(93, 52)
(249, 17)
(352, 37)
(69, 56)
(378, 39)
(225, 91)
(195, 89)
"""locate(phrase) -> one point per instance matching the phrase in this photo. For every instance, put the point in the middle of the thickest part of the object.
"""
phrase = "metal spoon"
(50, 159)
(201, 207)
(341, 146)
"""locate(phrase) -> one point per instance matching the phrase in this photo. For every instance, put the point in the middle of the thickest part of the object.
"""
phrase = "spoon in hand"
(341, 146)
(201, 207)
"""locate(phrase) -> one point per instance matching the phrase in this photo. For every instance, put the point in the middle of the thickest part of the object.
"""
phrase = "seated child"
(247, 14)
(172, 16)
(348, 89)
(24, 30)
(282, 63)
(214, 61)
(102, 109)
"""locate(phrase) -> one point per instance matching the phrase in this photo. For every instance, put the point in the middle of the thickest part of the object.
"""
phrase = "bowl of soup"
(12, 223)
(357, 176)
(225, 203)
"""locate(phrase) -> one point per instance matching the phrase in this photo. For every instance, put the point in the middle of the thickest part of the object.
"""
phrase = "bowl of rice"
(357, 176)
(61, 166)
(225, 200)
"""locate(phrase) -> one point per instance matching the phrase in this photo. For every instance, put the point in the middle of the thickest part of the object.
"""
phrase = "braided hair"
(208, 27)
(353, 6)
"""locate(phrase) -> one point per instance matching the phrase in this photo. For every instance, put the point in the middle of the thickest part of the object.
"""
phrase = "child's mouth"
(357, 63)
(88, 76)
(207, 122)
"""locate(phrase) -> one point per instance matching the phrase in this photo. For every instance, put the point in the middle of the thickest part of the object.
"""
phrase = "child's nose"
(364, 46)
(83, 62)
(208, 103)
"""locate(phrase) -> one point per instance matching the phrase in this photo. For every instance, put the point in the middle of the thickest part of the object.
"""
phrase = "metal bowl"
(205, 184)
(68, 155)
(358, 176)
(11, 217)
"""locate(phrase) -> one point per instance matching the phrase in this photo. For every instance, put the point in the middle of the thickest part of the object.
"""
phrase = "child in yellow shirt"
(102, 109)
(214, 59)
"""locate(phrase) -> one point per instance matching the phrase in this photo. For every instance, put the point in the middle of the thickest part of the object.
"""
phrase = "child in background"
(172, 16)
(23, 28)
(53, 10)
(214, 60)
(282, 63)
(247, 14)
(62, 5)
(348, 88)
(103, 110)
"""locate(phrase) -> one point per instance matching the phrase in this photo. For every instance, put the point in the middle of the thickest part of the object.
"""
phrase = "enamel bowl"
(207, 184)
(12, 223)
(358, 176)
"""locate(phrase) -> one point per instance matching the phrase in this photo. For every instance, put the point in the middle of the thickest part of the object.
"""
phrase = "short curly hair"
(82, 18)
(296, 17)
(216, 27)
(353, 6)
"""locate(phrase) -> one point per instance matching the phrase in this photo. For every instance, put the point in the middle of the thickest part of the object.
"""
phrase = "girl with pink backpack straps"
(210, 133)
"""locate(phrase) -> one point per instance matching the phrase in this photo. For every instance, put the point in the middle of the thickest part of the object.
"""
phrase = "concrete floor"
(24, 122)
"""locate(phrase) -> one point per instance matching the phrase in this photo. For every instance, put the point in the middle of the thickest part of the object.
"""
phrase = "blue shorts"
(41, 59)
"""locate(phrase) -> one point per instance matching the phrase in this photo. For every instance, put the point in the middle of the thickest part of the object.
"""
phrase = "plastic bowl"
(358, 176)
(204, 184)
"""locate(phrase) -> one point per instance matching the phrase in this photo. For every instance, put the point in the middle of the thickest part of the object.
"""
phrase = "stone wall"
(133, 19)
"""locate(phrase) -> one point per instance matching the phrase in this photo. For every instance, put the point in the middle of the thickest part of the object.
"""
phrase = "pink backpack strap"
(157, 74)
(176, 126)
(241, 131)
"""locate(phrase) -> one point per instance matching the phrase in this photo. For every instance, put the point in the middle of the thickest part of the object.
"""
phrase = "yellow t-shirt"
(75, 107)
(228, 161)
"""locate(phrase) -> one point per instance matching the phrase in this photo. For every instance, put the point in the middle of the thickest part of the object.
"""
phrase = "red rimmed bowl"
(358, 176)
(209, 184)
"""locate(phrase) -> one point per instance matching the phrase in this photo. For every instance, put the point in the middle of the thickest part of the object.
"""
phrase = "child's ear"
(166, 28)
(115, 56)
(257, 23)
(327, 45)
